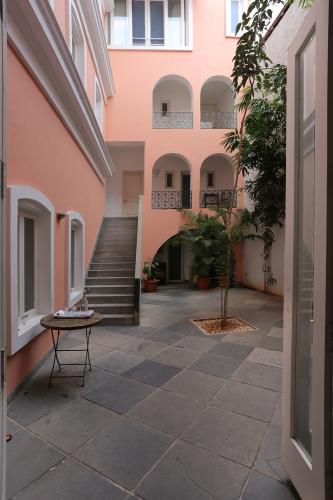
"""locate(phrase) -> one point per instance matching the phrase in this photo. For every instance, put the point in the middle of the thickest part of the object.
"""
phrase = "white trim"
(76, 294)
(22, 334)
(241, 8)
(95, 37)
(97, 86)
(35, 35)
(73, 15)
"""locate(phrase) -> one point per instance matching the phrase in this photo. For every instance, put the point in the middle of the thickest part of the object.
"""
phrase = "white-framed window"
(75, 257)
(210, 179)
(32, 219)
(77, 44)
(99, 105)
(150, 23)
(234, 11)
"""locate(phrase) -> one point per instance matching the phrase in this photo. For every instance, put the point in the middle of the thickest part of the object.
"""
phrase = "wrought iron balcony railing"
(171, 199)
(178, 119)
(218, 119)
(218, 198)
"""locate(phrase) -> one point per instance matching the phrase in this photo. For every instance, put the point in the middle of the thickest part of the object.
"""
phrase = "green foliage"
(151, 270)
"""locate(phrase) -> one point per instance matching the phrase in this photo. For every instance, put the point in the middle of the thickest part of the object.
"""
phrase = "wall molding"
(35, 36)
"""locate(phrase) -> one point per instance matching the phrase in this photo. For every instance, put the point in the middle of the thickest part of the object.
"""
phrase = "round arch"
(172, 103)
(217, 175)
(217, 103)
(171, 182)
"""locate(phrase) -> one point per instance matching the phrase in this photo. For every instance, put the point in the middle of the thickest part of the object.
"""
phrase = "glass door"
(308, 317)
(3, 43)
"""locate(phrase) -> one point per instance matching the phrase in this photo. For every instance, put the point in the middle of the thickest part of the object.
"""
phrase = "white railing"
(218, 119)
(174, 119)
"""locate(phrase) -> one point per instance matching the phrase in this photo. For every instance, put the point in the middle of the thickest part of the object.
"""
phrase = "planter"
(151, 286)
(203, 282)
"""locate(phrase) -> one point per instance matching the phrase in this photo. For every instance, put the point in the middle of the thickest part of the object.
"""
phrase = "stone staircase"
(110, 281)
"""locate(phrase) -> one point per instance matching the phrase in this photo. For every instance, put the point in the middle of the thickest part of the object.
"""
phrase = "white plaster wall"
(176, 93)
(168, 164)
(224, 173)
(277, 47)
(124, 160)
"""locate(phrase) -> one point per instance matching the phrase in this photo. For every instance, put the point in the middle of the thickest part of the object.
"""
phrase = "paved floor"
(167, 413)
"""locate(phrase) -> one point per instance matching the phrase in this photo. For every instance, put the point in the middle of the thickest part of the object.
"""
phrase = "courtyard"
(166, 412)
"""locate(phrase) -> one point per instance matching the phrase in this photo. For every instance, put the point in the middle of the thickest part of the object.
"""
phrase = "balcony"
(164, 200)
(218, 119)
(180, 119)
(210, 198)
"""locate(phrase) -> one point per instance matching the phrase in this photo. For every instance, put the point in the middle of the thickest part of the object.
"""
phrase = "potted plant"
(151, 274)
(202, 268)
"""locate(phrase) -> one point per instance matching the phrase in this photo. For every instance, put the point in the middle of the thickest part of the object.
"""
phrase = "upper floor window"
(77, 43)
(149, 23)
(235, 9)
(98, 103)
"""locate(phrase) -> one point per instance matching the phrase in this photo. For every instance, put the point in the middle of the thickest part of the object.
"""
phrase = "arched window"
(31, 263)
(172, 103)
(216, 103)
(77, 42)
(75, 257)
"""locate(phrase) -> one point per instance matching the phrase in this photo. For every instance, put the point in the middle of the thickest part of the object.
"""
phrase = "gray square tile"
(195, 385)
(125, 451)
(37, 400)
(177, 356)
(247, 399)
(268, 377)
(119, 394)
(191, 473)
(117, 361)
(199, 344)
(72, 481)
(268, 460)
(152, 373)
(228, 434)
(143, 347)
(71, 426)
(276, 332)
(253, 339)
(230, 350)
(263, 488)
(218, 366)
(276, 419)
(12, 426)
(167, 336)
(155, 412)
(29, 456)
(265, 357)
(272, 343)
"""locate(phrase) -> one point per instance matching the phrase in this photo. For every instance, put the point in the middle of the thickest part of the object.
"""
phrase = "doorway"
(132, 188)
(186, 190)
(175, 263)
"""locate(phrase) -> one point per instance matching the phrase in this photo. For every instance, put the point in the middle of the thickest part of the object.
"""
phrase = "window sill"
(150, 48)
(74, 297)
(30, 327)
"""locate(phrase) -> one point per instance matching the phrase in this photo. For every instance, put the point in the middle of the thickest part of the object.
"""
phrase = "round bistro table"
(57, 325)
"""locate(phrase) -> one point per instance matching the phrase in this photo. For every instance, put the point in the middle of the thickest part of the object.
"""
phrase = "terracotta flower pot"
(203, 282)
(151, 286)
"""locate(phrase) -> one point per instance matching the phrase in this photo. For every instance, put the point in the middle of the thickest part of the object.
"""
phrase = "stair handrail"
(138, 262)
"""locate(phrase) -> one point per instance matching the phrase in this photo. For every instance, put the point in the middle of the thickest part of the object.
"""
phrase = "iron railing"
(171, 199)
(218, 119)
(174, 119)
(215, 197)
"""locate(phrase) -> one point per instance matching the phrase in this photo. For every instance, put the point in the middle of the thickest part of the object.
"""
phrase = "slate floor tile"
(166, 411)
(195, 385)
(125, 451)
(152, 373)
(29, 456)
(272, 343)
(230, 350)
(71, 426)
(268, 377)
(265, 357)
(199, 344)
(167, 336)
(37, 400)
(247, 400)
(143, 347)
(177, 356)
(191, 473)
(276, 418)
(119, 394)
(268, 460)
(72, 481)
(117, 361)
(276, 332)
(12, 427)
(218, 366)
(228, 434)
(253, 339)
(263, 488)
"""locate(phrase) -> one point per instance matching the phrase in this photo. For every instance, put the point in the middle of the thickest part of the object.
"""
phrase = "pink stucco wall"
(129, 116)
(42, 154)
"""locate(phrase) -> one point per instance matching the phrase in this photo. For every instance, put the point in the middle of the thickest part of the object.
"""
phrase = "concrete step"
(118, 320)
(124, 280)
(95, 266)
(113, 308)
(97, 288)
(110, 298)
(110, 273)
(115, 259)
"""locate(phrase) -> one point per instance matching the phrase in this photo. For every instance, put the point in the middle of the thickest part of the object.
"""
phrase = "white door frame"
(3, 409)
(311, 477)
(131, 172)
